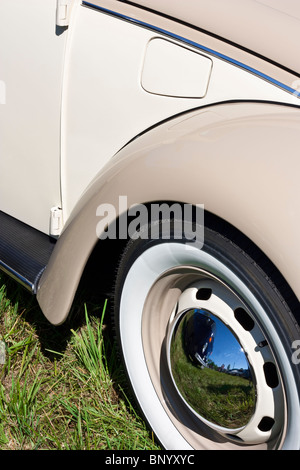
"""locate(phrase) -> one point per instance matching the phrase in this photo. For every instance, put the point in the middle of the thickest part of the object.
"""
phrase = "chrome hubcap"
(164, 291)
(221, 365)
(211, 371)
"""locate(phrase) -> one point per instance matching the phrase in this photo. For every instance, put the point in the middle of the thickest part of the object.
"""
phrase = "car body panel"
(31, 69)
(245, 23)
(118, 116)
(101, 113)
(209, 38)
(248, 165)
(94, 118)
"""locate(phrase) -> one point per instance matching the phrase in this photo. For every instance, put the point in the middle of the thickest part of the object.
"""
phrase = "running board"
(24, 251)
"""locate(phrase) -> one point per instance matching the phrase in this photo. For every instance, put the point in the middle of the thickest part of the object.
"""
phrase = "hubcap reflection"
(210, 370)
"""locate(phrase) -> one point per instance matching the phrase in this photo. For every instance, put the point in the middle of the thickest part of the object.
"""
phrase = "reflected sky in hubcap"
(210, 370)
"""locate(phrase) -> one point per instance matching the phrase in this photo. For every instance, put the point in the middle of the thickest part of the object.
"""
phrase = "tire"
(206, 340)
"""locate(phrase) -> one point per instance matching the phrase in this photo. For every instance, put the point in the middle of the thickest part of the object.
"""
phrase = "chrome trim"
(197, 45)
(206, 360)
(17, 277)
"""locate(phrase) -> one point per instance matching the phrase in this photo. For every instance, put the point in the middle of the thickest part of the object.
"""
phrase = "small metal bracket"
(56, 221)
(63, 11)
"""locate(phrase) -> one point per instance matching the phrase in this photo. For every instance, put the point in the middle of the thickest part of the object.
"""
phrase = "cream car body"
(158, 101)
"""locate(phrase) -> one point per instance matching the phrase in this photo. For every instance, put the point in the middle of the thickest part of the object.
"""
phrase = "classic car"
(174, 127)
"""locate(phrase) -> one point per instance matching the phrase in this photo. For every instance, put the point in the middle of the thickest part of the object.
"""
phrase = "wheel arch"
(217, 157)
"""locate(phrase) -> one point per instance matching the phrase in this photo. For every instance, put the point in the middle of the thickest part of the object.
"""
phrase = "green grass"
(62, 387)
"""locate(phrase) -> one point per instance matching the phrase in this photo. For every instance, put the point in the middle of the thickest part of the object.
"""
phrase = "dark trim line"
(194, 44)
(206, 106)
(213, 35)
(16, 276)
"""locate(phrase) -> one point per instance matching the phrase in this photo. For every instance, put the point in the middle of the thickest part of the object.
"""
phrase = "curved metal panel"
(236, 20)
(238, 159)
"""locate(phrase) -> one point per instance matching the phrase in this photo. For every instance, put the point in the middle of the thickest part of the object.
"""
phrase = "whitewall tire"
(206, 342)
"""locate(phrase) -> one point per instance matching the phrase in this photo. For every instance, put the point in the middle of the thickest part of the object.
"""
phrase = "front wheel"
(206, 341)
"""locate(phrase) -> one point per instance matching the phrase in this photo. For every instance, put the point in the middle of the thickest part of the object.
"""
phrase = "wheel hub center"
(210, 370)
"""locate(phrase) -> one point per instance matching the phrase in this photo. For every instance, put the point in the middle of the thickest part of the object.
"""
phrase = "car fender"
(240, 160)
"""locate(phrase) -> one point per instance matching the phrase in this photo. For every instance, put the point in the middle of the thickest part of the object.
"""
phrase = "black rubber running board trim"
(24, 251)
